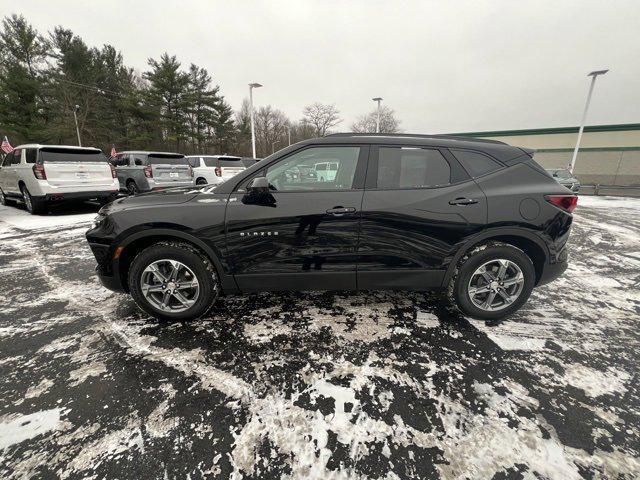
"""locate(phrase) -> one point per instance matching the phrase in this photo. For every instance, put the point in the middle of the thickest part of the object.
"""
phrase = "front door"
(418, 204)
(303, 234)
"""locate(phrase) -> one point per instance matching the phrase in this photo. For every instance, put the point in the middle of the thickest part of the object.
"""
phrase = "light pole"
(75, 118)
(378, 99)
(253, 130)
(289, 134)
(273, 146)
(593, 76)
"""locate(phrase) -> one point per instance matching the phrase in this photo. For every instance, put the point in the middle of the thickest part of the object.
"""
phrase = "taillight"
(113, 171)
(38, 171)
(147, 171)
(568, 203)
(218, 171)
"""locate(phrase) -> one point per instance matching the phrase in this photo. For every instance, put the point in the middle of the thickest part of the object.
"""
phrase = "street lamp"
(75, 118)
(593, 76)
(253, 131)
(273, 146)
(378, 99)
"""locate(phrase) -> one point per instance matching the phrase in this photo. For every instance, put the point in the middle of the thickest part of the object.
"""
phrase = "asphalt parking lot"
(318, 385)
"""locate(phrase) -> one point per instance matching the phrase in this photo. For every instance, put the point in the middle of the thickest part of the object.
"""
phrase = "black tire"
(132, 187)
(201, 181)
(33, 206)
(190, 256)
(458, 285)
(4, 200)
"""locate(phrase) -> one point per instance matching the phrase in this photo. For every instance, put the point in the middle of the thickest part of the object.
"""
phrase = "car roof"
(497, 149)
(69, 147)
(150, 152)
(214, 156)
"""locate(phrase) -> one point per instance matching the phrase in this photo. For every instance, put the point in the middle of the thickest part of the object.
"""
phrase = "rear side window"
(31, 155)
(476, 164)
(194, 161)
(167, 159)
(231, 162)
(71, 155)
(412, 168)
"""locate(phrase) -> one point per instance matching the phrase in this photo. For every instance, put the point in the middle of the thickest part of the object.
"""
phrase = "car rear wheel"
(3, 199)
(201, 181)
(132, 188)
(33, 206)
(492, 281)
(173, 281)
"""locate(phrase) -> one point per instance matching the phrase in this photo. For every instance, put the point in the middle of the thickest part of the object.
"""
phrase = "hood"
(159, 197)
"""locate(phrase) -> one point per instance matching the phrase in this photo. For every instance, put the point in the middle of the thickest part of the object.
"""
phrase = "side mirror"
(258, 185)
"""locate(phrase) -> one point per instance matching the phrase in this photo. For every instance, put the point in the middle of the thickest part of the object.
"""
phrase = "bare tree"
(321, 117)
(271, 130)
(367, 123)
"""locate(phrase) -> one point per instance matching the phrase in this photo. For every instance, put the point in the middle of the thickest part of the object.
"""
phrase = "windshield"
(167, 159)
(71, 155)
(562, 174)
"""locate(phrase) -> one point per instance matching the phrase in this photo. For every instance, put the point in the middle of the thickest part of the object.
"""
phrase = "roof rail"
(415, 135)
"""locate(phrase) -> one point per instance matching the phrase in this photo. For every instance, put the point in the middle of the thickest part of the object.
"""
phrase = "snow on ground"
(319, 385)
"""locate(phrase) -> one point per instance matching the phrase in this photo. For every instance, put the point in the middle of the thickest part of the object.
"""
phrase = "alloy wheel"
(169, 285)
(132, 188)
(495, 285)
(27, 199)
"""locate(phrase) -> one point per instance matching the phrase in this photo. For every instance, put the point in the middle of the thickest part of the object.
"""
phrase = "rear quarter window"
(71, 155)
(476, 163)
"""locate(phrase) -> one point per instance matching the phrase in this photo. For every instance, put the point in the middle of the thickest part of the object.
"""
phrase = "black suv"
(477, 218)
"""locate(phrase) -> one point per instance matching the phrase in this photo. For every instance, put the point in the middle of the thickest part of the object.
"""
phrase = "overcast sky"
(442, 66)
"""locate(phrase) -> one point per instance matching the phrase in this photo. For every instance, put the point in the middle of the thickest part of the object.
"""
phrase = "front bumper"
(112, 282)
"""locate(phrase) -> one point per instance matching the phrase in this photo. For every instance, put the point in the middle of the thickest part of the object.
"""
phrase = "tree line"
(44, 78)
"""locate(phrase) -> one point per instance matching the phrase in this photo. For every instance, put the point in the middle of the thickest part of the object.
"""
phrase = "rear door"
(170, 169)
(418, 204)
(304, 233)
(230, 166)
(75, 167)
(9, 175)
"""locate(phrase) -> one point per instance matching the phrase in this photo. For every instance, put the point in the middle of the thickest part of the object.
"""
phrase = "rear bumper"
(552, 271)
(100, 194)
(155, 185)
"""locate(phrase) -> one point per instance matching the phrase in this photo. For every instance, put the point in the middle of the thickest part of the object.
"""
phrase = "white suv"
(214, 169)
(38, 174)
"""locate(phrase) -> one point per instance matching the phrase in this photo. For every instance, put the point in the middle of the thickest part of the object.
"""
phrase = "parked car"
(145, 171)
(326, 171)
(249, 161)
(479, 219)
(37, 175)
(565, 177)
(214, 169)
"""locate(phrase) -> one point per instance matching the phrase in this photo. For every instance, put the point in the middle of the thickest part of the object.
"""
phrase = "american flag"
(113, 151)
(6, 146)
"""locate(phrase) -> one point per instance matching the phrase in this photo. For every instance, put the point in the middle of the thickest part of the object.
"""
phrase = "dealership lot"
(319, 385)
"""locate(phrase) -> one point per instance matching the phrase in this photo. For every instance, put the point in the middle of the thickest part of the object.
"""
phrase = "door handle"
(463, 201)
(340, 210)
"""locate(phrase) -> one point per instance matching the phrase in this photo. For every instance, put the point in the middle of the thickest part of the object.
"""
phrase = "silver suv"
(145, 171)
(39, 174)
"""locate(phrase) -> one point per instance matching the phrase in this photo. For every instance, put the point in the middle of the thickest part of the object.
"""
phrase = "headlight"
(98, 221)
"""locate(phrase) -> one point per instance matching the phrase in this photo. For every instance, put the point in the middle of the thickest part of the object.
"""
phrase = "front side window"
(406, 167)
(297, 172)
(16, 157)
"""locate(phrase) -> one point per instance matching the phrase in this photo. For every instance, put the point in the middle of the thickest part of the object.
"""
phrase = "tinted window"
(412, 168)
(31, 155)
(194, 161)
(15, 160)
(7, 159)
(230, 162)
(49, 154)
(167, 159)
(476, 163)
(210, 161)
(295, 173)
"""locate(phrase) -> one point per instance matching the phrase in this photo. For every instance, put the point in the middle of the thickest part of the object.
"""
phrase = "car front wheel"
(173, 281)
(492, 281)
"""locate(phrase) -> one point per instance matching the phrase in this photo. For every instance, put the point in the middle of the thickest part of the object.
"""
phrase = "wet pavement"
(319, 385)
